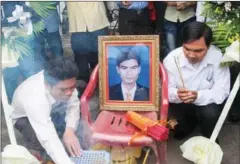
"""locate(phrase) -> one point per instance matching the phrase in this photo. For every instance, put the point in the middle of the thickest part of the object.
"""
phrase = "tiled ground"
(229, 137)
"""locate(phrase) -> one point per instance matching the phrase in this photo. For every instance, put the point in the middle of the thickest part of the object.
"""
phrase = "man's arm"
(72, 120)
(220, 90)
(40, 120)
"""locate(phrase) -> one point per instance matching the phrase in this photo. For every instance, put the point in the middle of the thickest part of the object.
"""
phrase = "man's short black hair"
(60, 68)
(127, 55)
(195, 30)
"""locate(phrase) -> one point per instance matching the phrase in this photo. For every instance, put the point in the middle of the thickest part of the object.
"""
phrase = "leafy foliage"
(17, 47)
(42, 9)
(225, 22)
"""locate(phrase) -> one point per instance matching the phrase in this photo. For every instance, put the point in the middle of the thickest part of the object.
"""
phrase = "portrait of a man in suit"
(128, 66)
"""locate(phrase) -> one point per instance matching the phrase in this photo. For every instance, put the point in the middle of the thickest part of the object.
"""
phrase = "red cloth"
(152, 11)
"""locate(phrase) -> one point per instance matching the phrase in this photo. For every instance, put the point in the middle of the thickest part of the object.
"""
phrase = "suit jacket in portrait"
(141, 94)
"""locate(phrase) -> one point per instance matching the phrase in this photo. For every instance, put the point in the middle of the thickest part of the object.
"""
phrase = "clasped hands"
(187, 96)
(181, 5)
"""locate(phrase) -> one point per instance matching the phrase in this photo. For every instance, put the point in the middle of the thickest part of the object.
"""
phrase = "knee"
(211, 111)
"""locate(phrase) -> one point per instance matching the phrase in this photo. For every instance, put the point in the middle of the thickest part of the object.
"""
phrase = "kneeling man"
(33, 103)
(205, 85)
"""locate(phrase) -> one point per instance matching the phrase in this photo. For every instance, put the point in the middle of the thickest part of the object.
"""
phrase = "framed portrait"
(129, 72)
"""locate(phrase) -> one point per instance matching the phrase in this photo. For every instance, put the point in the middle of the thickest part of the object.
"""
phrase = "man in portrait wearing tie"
(197, 83)
(128, 65)
(35, 103)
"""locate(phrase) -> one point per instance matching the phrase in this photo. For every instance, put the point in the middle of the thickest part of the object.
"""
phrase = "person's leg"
(26, 67)
(160, 8)
(234, 113)
(185, 115)
(93, 56)
(11, 80)
(170, 30)
(80, 43)
(39, 50)
(55, 43)
(180, 27)
(26, 62)
(208, 116)
(126, 22)
(24, 127)
(142, 24)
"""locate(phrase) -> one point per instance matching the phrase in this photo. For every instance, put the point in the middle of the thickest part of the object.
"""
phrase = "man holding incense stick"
(198, 84)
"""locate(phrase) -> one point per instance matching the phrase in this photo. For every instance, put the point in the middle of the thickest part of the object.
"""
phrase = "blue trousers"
(25, 69)
(44, 42)
(172, 32)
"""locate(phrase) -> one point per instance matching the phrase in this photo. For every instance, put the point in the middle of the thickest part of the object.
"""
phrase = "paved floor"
(229, 136)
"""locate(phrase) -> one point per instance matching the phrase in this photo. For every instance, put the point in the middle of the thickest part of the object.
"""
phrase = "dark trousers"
(30, 139)
(134, 22)
(25, 128)
(189, 115)
(52, 41)
(85, 49)
(234, 113)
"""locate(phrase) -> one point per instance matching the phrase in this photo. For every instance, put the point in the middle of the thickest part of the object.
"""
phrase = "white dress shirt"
(31, 99)
(131, 92)
(208, 78)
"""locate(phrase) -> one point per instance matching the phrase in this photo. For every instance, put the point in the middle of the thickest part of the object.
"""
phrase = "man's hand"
(126, 3)
(71, 142)
(187, 96)
(181, 5)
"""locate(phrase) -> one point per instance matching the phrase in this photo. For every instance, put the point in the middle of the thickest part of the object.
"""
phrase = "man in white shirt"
(198, 95)
(33, 101)
(128, 65)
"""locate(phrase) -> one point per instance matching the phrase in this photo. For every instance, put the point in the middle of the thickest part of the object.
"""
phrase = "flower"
(225, 24)
(232, 53)
(227, 6)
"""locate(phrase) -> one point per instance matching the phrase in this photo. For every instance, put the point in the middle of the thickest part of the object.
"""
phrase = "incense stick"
(179, 71)
(146, 156)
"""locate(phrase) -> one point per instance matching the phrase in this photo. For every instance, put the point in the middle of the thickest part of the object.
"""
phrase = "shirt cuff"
(72, 124)
(173, 97)
(199, 98)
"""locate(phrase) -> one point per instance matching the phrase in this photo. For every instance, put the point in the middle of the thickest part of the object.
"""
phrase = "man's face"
(195, 51)
(63, 90)
(129, 71)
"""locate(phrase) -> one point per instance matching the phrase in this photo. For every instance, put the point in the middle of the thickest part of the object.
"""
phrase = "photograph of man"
(128, 66)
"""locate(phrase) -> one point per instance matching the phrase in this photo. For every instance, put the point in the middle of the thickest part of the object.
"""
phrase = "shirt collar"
(49, 96)
(183, 61)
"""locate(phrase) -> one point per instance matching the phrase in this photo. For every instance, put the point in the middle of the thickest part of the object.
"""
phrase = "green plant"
(225, 22)
(13, 44)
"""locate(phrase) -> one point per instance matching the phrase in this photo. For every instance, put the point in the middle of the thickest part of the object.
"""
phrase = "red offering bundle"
(154, 129)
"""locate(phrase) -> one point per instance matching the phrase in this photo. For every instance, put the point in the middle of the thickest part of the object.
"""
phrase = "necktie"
(128, 96)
